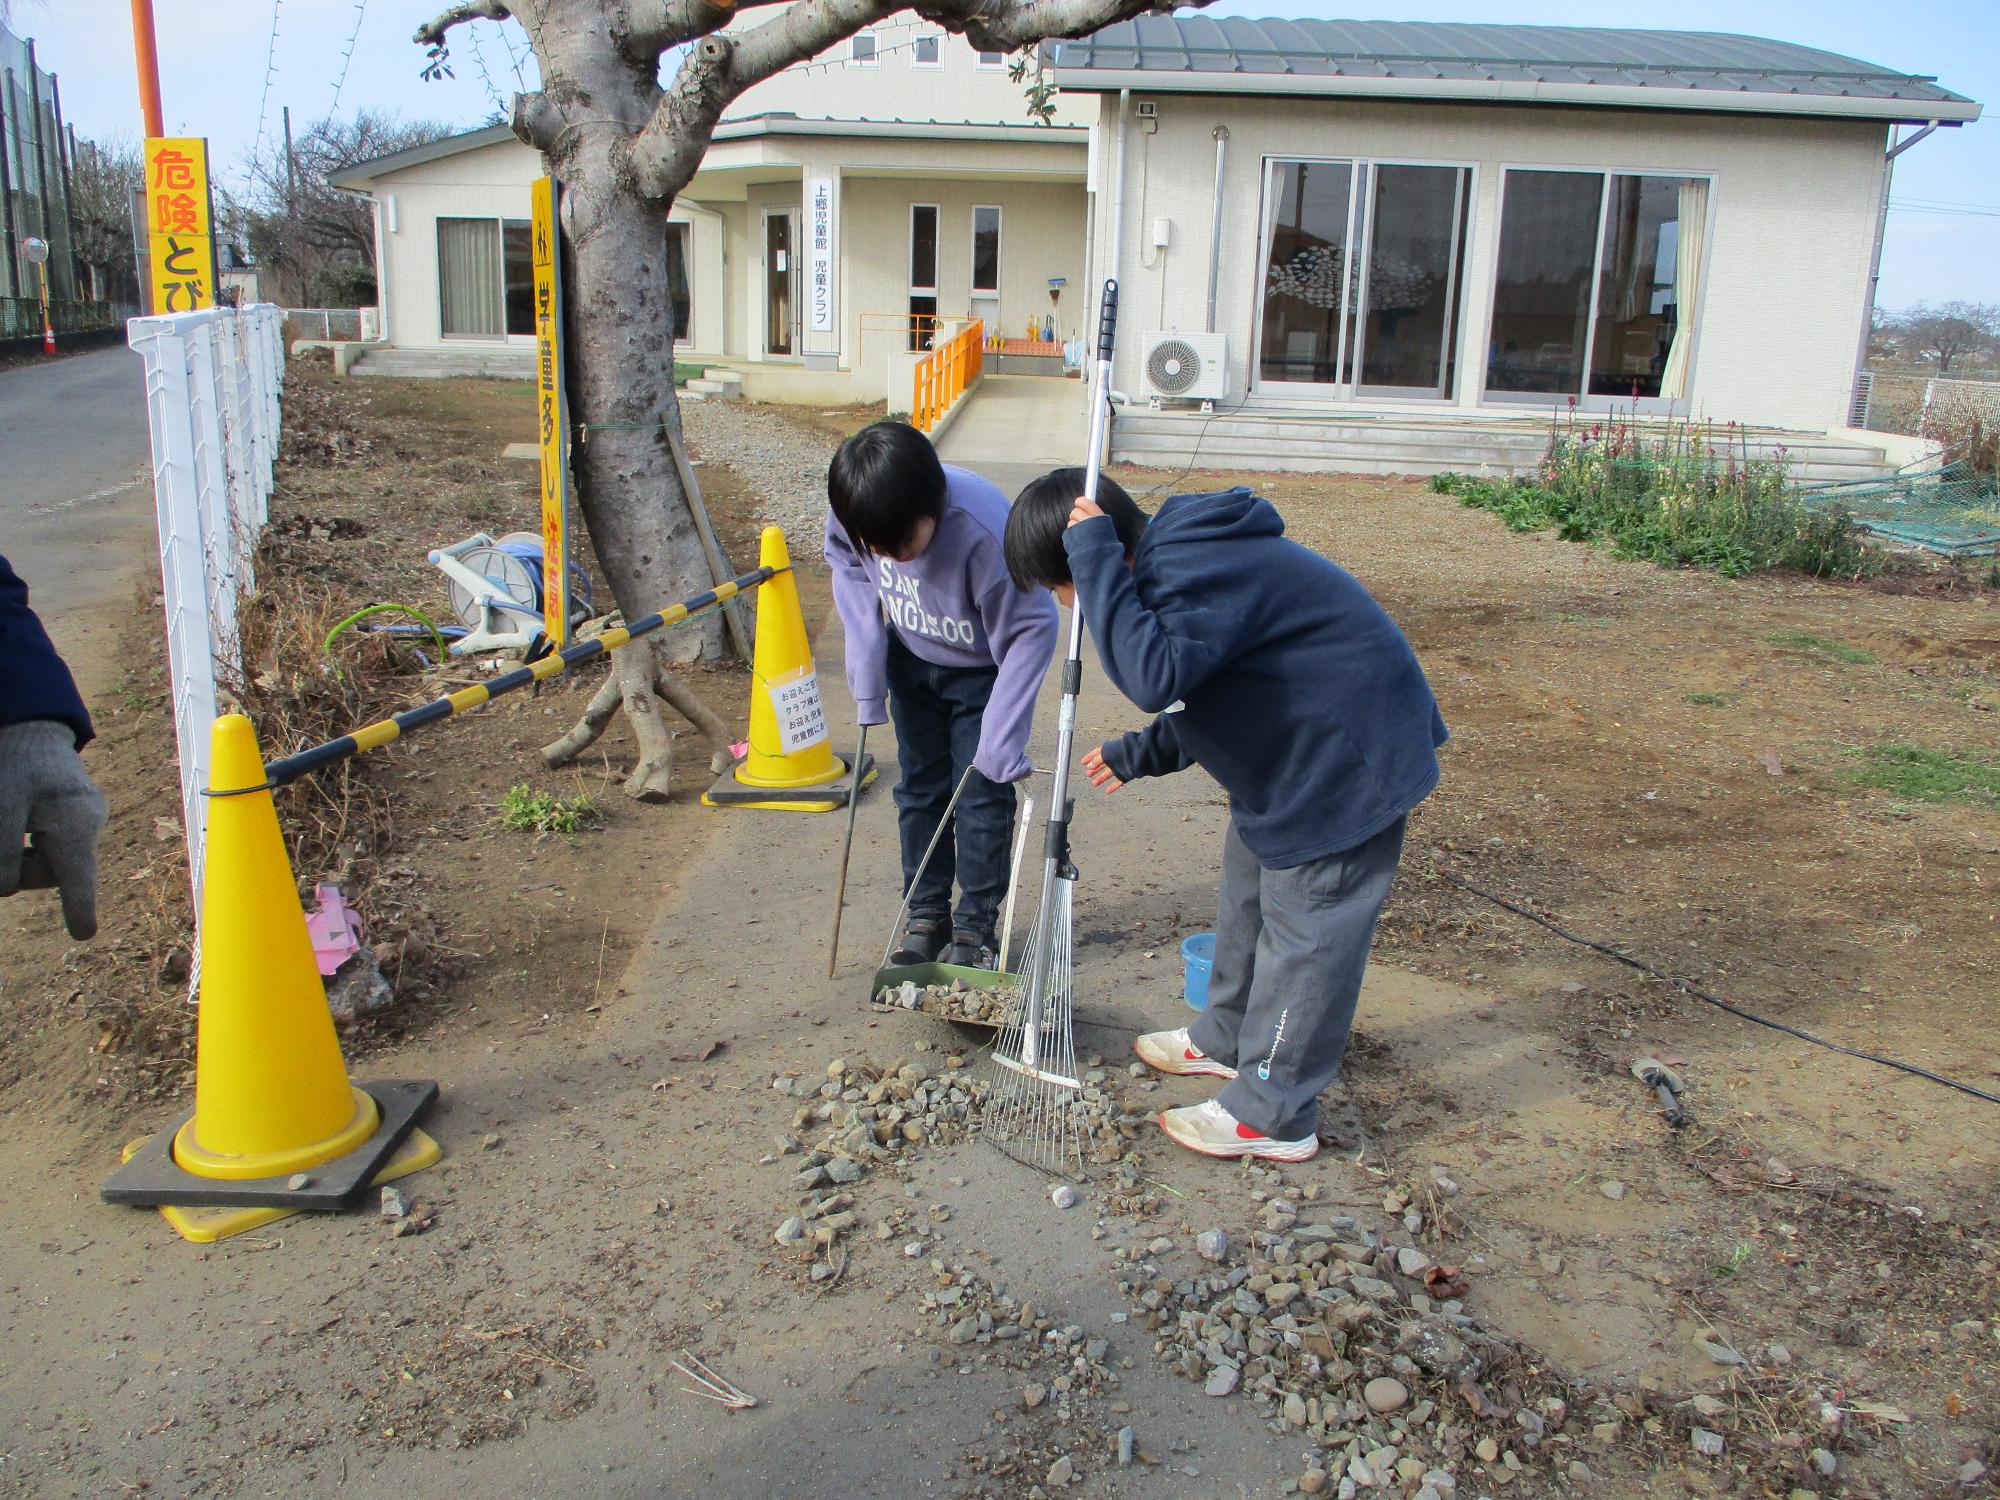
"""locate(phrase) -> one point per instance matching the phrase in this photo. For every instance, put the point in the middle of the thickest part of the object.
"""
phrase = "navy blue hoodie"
(1301, 696)
(34, 683)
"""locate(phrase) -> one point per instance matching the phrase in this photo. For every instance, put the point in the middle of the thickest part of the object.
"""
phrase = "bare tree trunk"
(619, 364)
(652, 778)
(629, 687)
(619, 350)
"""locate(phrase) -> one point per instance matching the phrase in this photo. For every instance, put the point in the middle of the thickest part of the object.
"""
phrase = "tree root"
(638, 681)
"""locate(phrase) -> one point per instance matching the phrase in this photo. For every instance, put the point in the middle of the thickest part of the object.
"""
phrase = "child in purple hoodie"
(940, 640)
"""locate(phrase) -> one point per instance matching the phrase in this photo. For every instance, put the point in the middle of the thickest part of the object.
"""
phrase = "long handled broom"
(1034, 1107)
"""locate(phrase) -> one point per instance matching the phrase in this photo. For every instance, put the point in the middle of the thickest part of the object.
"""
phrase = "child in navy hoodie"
(1279, 675)
(940, 639)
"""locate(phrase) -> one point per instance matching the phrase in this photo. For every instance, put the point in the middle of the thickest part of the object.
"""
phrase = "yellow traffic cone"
(277, 1127)
(789, 753)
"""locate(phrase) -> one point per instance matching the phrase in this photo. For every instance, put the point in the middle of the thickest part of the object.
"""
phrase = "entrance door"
(781, 283)
(923, 273)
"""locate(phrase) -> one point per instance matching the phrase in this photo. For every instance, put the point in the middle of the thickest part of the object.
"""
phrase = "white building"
(1401, 222)
(944, 198)
(1364, 240)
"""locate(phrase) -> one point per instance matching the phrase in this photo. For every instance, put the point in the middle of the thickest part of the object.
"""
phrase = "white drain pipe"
(1117, 269)
(1215, 224)
(1116, 260)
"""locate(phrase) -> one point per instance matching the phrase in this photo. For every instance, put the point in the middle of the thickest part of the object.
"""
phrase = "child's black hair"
(882, 481)
(1035, 526)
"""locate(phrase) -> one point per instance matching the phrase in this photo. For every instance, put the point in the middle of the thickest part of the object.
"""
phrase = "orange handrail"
(944, 374)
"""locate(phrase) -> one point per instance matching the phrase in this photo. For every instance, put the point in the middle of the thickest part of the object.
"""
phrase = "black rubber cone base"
(151, 1178)
(728, 791)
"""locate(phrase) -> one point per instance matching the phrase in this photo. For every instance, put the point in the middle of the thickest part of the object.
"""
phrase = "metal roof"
(358, 176)
(1450, 60)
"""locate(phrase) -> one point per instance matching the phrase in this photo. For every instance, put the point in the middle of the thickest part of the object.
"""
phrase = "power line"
(1953, 213)
(479, 57)
(264, 98)
(1949, 203)
(347, 57)
(513, 57)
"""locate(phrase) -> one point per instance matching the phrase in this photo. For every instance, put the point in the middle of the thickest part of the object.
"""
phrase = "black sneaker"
(972, 950)
(924, 938)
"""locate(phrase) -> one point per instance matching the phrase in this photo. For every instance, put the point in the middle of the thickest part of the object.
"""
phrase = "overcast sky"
(1944, 228)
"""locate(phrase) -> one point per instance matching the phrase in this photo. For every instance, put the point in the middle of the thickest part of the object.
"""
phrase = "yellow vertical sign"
(551, 413)
(180, 235)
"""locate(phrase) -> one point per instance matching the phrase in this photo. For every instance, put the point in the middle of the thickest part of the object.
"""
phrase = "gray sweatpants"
(1290, 949)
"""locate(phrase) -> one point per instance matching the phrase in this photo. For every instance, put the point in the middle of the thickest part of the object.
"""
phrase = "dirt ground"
(607, 1014)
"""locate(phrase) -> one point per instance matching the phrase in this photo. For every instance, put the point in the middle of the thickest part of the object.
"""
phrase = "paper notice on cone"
(795, 701)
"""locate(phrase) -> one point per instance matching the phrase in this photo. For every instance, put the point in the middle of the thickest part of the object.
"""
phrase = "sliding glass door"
(1595, 290)
(1363, 266)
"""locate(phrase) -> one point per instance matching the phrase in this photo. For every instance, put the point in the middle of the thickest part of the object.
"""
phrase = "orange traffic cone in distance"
(48, 341)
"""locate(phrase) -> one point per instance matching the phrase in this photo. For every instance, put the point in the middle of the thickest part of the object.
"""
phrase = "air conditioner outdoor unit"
(1187, 366)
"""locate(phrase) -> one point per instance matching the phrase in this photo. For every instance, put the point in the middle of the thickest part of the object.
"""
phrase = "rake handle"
(1055, 848)
(846, 849)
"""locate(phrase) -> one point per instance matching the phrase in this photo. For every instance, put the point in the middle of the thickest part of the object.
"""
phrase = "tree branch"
(1008, 27)
(433, 31)
(537, 121)
(721, 66)
(652, 26)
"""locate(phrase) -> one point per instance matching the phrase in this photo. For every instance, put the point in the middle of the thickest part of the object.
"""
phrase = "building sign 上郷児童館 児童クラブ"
(819, 254)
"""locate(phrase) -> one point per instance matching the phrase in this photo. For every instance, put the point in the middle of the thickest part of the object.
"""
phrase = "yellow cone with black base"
(790, 766)
(277, 1125)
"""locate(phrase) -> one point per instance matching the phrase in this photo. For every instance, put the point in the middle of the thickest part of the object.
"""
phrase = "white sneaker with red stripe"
(1173, 1052)
(1214, 1131)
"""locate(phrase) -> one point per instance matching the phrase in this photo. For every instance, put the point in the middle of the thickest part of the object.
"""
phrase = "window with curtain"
(469, 279)
(1596, 286)
(680, 248)
(518, 268)
(986, 252)
(1541, 295)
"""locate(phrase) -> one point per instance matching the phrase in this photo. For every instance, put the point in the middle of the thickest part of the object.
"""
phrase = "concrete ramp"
(1015, 427)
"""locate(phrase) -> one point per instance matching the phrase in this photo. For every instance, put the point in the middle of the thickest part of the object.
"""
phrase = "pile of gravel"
(1351, 1336)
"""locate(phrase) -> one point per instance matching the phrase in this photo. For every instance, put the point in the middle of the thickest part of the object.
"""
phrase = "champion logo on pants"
(1264, 1067)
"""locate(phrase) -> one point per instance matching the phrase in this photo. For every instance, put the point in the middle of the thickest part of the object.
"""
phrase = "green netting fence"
(1940, 506)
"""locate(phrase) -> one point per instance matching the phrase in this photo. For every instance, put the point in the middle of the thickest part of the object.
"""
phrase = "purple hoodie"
(954, 606)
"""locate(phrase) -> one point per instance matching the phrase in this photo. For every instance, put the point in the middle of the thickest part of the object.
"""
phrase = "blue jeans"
(937, 712)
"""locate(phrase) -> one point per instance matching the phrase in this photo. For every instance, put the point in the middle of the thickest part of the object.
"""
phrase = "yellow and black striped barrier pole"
(382, 731)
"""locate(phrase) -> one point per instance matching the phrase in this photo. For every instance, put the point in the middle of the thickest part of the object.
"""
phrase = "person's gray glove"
(45, 791)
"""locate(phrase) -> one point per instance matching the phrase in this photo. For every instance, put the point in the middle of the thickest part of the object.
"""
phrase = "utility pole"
(7, 192)
(37, 145)
(147, 53)
(62, 173)
(291, 169)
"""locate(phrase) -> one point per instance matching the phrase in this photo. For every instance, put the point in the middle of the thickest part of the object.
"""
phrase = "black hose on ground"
(1717, 1001)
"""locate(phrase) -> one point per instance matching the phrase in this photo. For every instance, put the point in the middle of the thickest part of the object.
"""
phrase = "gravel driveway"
(784, 463)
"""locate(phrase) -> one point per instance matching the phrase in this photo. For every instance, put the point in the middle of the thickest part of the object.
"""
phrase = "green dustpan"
(890, 975)
(935, 973)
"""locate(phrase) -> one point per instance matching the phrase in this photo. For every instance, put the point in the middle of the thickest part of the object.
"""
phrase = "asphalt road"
(76, 495)
(76, 501)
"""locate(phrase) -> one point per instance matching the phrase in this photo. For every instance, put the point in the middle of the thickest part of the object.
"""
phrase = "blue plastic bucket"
(1197, 962)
